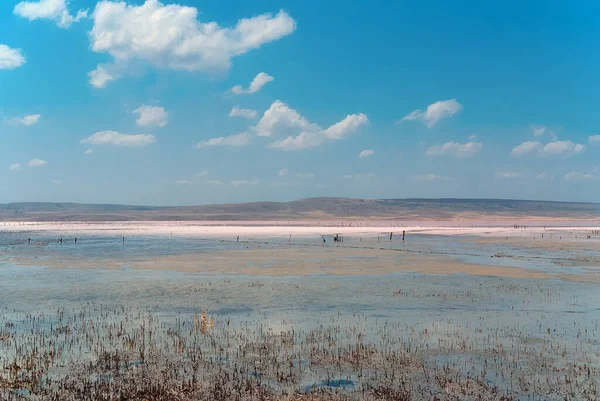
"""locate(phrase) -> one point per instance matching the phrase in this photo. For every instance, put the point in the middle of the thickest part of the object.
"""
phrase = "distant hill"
(306, 209)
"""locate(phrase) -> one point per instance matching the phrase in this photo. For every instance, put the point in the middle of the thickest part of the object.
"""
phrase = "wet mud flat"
(154, 322)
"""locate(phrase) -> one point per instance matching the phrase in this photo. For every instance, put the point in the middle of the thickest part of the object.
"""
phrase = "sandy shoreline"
(274, 229)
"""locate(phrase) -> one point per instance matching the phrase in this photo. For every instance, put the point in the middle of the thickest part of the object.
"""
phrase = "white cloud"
(171, 37)
(459, 150)
(27, 120)
(37, 163)
(55, 10)
(237, 140)
(260, 80)
(57, 182)
(202, 173)
(430, 177)
(182, 182)
(526, 148)
(15, 167)
(244, 182)
(435, 112)
(245, 113)
(594, 139)
(562, 148)
(88, 152)
(305, 175)
(118, 139)
(10, 58)
(151, 116)
(348, 125)
(100, 77)
(282, 172)
(575, 176)
(508, 175)
(538, 130)
(214, 182)
(366, 153)
(280, 119)
(359, 176)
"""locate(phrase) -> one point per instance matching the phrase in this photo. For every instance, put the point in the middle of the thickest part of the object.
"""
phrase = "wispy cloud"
(27, 120)
(429, 177)
(183, 182)
(282, 172)
(538, 130)
(202, 173)
(15, 167)
(305, 175)
(435, 112)
(88, 152)
(594, 139)
(237, 183)
(57, 182)
(508, 175)
(260, 80)
(236, 111)
(118, 139)
(238, 140)
(576, 176)
(366, 153)
(361, 176)
(455, 149)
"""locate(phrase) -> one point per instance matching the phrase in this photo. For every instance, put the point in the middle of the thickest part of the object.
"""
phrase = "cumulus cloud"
(260, 80)
(366, 153)
(236, 111)
(526, 148)
(151, 116)
(118, 139)
(282, 172)
(554, 148)
(15, 167)
(594, 139)
(171, 37)
(100, 77)
(36, 163)
(576, 176)
(562, 148)
(10, 58)
(27, 120)
(237, 140)
(435, 112)
(508, 175)
(459, 150)
(88, 152)
(54, 10)
(280, 119)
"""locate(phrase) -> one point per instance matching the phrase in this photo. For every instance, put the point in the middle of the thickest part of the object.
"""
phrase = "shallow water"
(469, 324)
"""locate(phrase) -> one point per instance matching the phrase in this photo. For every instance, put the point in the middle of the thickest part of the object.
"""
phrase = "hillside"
(306, 209)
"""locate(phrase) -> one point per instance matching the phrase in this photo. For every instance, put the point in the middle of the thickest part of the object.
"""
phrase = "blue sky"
(193, 102)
